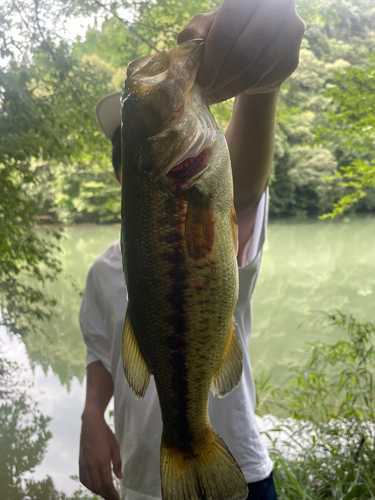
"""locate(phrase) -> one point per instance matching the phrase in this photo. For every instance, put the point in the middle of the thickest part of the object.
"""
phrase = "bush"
(325, 448)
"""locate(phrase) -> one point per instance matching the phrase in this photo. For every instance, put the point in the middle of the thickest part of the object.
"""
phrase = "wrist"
(92, 411)
(254, 97)
(260, 106)
(262, 91)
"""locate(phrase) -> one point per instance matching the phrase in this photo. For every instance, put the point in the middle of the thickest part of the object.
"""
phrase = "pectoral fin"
(137, 372)
(200, 225)
(228, 374)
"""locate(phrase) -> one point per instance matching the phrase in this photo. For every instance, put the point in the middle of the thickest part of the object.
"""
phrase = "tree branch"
(127, 24)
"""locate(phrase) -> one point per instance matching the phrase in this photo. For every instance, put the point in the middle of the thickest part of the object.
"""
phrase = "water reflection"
(24, 434)
(310, 265)
(58, 344)
(306, 265)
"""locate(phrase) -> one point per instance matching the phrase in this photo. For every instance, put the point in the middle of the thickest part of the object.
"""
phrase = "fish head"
(166, 122)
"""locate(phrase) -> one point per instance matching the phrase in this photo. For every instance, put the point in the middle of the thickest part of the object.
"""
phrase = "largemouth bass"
(179, 241)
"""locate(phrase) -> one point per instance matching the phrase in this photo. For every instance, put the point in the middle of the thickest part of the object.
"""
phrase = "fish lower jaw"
(189, 168)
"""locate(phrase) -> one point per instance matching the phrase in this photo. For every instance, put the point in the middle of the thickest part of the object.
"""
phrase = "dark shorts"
(262, 490)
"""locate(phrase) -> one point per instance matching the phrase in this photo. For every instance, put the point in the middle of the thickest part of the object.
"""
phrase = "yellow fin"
(200, 225)
(228, 374)
(207, 472)
(136, 369)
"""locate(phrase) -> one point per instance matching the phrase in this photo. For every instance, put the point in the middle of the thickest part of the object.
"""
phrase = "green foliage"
(353, 96)
(282, 191)
(329, 93)
(22, 255)
(357, 178)
(349, 392)
(160, 22)
(68, 78)
(299, 161)
(112, 43)
(46, 100)
(82, 192)
(351, 118)
(325, 449)
(54, 160)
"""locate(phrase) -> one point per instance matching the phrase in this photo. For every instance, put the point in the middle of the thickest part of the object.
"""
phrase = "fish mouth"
(189, 167)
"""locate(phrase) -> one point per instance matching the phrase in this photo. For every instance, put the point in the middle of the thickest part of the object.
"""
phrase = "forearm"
(99, 389)
(98, 445)
(251, 136)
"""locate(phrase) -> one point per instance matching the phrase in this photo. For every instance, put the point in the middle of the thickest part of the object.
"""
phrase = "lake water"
(307, 266)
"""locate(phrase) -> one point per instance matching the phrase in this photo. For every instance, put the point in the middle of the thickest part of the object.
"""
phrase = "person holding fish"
(183, 311)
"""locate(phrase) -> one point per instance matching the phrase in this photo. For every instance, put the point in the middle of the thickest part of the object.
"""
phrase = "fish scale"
(179, 241)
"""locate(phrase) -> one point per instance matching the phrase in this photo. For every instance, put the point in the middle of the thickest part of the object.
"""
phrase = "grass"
(323, 445)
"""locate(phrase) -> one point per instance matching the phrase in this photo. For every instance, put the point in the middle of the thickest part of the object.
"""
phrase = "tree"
(54, 160)
(47, 97)
(353, 119)
(337, 41)
(21, 250)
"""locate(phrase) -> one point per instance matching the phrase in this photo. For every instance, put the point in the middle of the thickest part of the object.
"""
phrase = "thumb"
(116, 459)
(198, 27)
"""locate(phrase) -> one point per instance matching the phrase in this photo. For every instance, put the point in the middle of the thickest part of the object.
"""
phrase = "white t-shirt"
(138, 424)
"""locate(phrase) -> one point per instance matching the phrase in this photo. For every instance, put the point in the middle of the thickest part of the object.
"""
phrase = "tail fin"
(208, 472)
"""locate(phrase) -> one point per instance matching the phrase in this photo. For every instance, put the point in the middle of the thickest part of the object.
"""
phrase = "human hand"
(251, 46)
(98, 448)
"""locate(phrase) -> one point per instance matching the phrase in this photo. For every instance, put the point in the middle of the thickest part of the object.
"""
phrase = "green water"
(307, 265)
(58, 344)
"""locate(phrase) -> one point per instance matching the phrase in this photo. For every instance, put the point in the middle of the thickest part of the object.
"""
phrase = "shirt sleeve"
(252, 231)
(252, 253)
(93, 324)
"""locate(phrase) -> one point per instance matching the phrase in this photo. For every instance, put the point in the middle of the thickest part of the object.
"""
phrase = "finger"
(94, 482)
(98, 481)
(85, 478)
(226, 28)
(269, 83)
(273, 66)
(198, 27)
(279, 74)
(108, 490)
(116, 460)
(262, 40)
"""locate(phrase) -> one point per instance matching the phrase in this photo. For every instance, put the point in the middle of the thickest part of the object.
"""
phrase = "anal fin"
(228, 374)
(137, 372)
